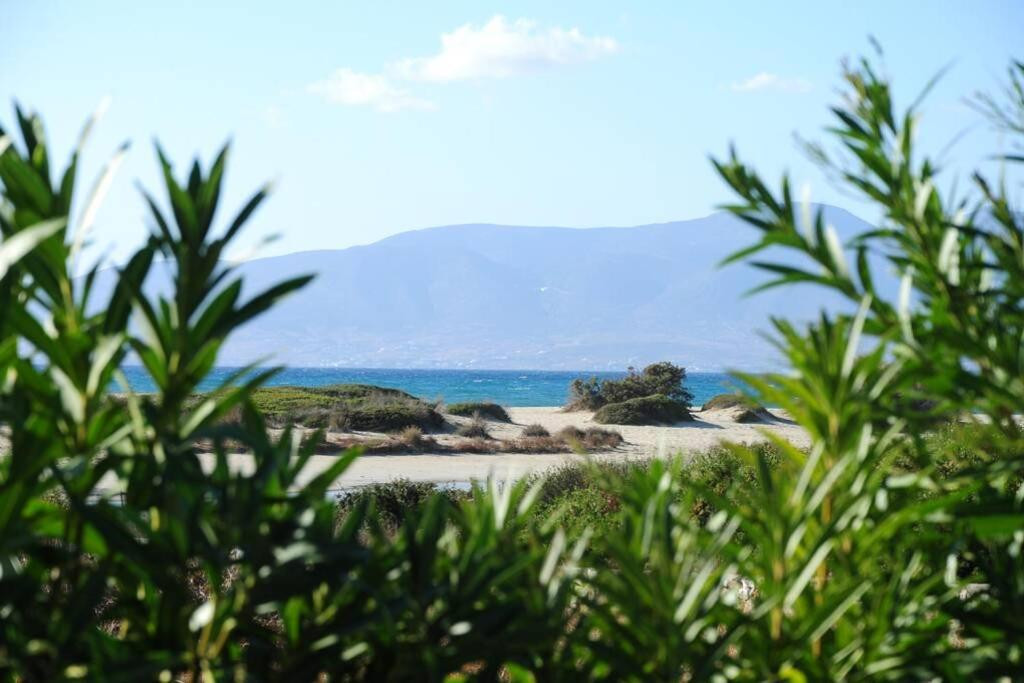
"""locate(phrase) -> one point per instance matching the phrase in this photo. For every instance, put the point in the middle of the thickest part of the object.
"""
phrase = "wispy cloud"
(498, 48)
(502, 48)
(766, 81)
(356, 89)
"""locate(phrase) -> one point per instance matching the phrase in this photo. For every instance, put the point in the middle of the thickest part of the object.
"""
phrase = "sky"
(376, 118)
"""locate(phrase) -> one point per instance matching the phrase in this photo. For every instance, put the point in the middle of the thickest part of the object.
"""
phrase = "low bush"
(413, 437)
(559, 481)
(569, 433)
(649, 410)
(358, 407)
(474, 429)
(596, 438)
(585, 394)
(536, 430)
(725, 474)
(393, 501)
(593, 438)
(489, 411)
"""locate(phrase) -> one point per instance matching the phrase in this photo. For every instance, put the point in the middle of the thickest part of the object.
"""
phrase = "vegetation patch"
(347, 407)
(391, 503)
(648, 410)
(666, 379)
(488, 411)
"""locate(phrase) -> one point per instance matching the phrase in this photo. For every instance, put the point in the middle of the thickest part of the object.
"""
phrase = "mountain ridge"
(488, 295)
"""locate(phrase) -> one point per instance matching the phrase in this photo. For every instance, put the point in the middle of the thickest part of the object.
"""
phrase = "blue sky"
(375, 118)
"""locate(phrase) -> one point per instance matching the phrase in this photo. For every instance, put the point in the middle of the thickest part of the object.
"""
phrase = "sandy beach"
(706, 431)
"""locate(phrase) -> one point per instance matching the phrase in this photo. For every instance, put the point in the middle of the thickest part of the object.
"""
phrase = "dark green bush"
(358, 407)
(663, 379)
(585, 394)
(489, 411)
(648, 410)
(391, 503)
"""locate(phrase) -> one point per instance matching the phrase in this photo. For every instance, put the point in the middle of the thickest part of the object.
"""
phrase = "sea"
(512, 388)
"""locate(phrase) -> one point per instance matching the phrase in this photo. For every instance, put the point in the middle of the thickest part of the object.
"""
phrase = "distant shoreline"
(511, 388)
(641, 443)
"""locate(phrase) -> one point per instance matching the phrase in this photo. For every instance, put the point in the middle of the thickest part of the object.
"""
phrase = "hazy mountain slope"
(495, 296)
(499, 296)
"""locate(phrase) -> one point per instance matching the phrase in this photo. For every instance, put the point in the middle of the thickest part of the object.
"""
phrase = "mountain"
(495, 296)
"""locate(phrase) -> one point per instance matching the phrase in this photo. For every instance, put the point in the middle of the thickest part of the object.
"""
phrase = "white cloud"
(501, 48)
(496, 49)
(352, 88)
(769, 81)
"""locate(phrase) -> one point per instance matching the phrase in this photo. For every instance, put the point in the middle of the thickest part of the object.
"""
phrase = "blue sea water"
(511, 388)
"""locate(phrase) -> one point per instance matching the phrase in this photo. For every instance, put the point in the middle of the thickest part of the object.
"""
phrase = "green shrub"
(393, 502)
(585, 394)
(649, 410)
(663, 379)
(490, 411)
(348, 407)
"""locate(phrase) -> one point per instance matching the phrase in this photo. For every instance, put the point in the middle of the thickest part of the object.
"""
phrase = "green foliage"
(662, 378)
(890, 549)
(649, 410)
(488, 411)
(654, 396)
(389, 506)
(856, 563)
(585, 394)
(359, 407)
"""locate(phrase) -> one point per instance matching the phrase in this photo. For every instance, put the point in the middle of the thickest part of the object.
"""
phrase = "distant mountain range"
(496, 297)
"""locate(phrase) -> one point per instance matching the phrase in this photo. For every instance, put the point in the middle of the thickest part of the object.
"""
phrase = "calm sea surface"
(507, 387)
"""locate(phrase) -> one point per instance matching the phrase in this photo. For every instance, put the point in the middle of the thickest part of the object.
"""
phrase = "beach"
(641, 442)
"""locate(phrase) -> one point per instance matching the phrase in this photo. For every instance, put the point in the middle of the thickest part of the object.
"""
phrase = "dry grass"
(477, 445)
(476, 429)
(536, 430)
